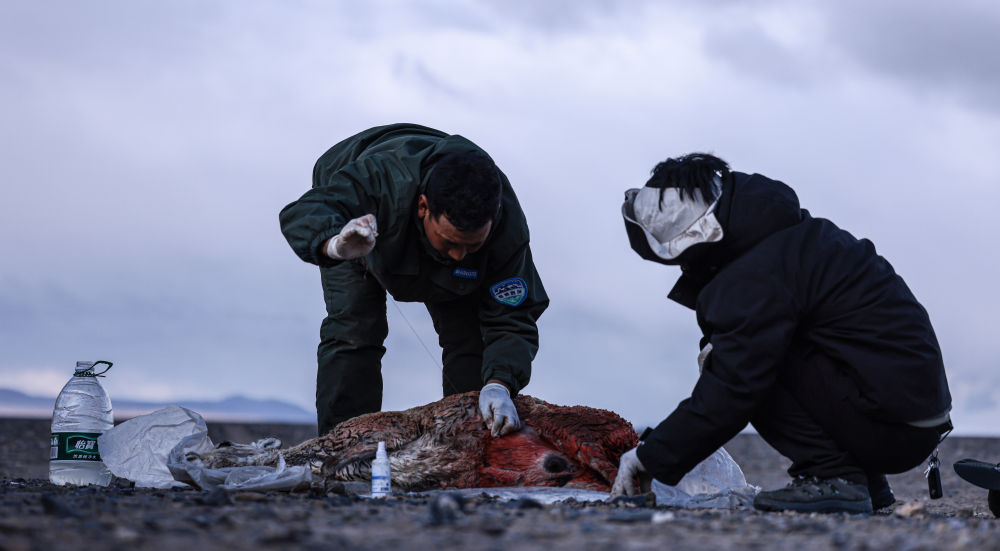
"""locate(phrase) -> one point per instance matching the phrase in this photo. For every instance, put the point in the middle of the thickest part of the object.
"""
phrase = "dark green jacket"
(382, 171)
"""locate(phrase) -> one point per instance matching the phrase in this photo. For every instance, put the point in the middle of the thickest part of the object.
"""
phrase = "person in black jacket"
(808, 335)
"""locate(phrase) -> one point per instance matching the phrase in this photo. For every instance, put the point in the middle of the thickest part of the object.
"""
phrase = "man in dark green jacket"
(429, 218)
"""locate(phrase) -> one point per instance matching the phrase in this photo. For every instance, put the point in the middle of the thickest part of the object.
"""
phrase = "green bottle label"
(74, 446)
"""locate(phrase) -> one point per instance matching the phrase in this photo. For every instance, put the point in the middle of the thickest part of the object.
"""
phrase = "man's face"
(446, 238)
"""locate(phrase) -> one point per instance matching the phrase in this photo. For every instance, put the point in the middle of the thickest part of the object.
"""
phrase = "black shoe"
(982, 474)
(880, 492)
(814, 495)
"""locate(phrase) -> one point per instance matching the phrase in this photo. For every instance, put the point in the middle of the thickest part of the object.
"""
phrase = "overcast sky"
(146, 148)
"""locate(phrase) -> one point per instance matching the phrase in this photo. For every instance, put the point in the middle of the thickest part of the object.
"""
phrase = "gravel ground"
(37, 515)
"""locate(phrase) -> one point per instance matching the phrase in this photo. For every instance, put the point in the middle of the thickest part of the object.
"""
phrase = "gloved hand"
(498, 410)
(630, 468)
(356, 239)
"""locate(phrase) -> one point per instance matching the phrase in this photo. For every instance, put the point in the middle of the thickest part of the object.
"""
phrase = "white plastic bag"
(186, 465)
(161, 450)
(716, 482)
(137, 449)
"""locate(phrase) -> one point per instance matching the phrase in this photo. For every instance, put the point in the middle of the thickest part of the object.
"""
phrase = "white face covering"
(673, 224)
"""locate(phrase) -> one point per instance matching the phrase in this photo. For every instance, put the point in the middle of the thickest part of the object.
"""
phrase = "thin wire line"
(417, 335)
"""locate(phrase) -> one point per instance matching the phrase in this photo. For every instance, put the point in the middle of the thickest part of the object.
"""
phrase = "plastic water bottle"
(81, 414)
(381, 473)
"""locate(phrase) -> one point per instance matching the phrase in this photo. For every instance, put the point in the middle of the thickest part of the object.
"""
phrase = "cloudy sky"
(147, 147)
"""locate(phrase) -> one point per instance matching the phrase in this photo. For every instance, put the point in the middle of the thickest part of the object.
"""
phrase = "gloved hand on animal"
(629, 469)
(498, 410)
(356, 239)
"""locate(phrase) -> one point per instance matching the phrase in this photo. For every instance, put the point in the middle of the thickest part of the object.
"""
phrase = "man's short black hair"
(691, 172)
(466, 187)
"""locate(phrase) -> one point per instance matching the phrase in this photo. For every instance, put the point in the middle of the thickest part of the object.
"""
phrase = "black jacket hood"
(751, 208)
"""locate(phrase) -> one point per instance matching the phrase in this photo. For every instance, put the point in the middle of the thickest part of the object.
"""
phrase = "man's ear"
(422, 208)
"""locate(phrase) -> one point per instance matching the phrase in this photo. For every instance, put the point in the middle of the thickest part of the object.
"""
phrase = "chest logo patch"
(511, 292)
(465, 273)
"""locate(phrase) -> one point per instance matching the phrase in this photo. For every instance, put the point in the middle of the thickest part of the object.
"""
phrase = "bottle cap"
(83, 367)
(86, 369)
(380, 453)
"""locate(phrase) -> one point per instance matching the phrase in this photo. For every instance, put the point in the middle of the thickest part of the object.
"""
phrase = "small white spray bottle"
(381, 474)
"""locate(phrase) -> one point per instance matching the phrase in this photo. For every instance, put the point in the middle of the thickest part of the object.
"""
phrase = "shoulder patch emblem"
(466, 273)
(511, 292)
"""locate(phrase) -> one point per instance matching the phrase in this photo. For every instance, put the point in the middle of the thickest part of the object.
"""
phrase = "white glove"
(498, 410)
(356, 239)
(629, 467)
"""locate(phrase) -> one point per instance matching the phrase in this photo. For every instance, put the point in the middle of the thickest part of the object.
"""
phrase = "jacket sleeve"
(750, 326)
(510, 333)
(337, 196)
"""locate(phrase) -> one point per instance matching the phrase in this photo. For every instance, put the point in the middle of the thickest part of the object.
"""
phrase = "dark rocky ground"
(37, 515)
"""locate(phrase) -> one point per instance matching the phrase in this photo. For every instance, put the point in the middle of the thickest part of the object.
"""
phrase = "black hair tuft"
(689, 173)
(466, 187)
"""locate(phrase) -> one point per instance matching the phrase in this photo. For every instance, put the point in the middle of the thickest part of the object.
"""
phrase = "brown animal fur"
(446, 444)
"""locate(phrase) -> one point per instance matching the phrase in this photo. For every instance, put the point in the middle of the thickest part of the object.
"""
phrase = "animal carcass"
(445, 444)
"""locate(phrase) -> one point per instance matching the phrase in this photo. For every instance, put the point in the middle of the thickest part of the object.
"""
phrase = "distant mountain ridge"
(14, 403)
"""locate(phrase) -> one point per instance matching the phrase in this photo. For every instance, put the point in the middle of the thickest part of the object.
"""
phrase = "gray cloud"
(412, 69)
(933, 47)
(934, 51)
(562, 16)
(149, 146)
(749, 49)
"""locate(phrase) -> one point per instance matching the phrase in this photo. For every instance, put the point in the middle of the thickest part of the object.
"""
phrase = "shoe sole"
(827, 506)
(980, 473)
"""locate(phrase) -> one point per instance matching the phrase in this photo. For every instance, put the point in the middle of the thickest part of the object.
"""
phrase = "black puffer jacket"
(778, 286)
